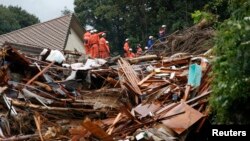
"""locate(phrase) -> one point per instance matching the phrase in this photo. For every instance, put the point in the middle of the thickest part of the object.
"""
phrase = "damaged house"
(63, 33)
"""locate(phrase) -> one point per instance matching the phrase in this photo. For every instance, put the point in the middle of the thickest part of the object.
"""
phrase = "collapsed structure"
(151, 97)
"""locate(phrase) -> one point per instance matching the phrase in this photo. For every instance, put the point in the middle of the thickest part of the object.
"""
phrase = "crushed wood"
(146, 98)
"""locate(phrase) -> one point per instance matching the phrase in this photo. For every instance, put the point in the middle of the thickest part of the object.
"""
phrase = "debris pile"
(195, 40)
(144, 98)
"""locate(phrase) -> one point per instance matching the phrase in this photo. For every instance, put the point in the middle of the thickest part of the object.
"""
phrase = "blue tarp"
(194, 75)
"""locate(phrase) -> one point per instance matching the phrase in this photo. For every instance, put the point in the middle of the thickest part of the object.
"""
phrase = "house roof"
(52, 34)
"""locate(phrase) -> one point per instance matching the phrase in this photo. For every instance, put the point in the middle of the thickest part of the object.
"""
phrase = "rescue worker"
(108, 48)
(139, 50)
(150, 43)
(86, 37)
(103, 47)
(162, 33)
(126, 48)
(131, 54)
(94, 44)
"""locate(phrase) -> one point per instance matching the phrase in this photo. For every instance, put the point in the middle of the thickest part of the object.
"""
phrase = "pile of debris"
(152, 97)
(195, 40)
(144, 98)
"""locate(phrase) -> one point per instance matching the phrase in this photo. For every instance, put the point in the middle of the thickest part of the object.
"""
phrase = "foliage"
(136, 19)
(199, 15)
(231, 89)
(65, 11)
(13, 18)
(219, 8)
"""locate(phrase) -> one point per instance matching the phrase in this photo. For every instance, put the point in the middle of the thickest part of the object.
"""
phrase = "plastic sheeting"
(55, 55)
(194, 75)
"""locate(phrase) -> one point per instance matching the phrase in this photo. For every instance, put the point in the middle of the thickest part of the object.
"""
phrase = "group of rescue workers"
(97, 46)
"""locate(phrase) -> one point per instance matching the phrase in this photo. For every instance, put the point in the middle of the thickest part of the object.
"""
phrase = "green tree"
(13, 18)
(136, 19)
(66, 11)
(231, 89)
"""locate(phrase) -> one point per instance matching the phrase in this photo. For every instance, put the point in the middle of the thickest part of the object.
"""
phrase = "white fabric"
(55, 55)
(44, 51)
(90, 63)
(76, 66)
(72, 75)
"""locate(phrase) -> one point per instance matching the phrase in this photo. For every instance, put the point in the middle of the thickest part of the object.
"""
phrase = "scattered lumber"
(142, 98)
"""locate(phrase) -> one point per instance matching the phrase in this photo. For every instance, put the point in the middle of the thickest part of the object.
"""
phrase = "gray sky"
(44, 9)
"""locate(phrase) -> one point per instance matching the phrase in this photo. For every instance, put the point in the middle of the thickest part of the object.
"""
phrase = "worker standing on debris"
(150, 43)
(139, 50)
(126, 48)
(162, 33)
(86, 37)
(108, 48)
(130, 53)
(94, 44)
(103, 47)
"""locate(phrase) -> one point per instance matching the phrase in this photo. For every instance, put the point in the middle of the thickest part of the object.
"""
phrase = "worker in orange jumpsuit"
(103, 48)
(131, 54)
(139, 50)
(108, 48)
(86, 37)
(94, 44)
(126, 48)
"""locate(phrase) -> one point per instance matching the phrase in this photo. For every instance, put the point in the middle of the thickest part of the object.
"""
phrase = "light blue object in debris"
(194, 75)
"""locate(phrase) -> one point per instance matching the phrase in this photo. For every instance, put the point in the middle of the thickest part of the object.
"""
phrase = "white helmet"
(127, 39)
(94, 31)
(150, 37)
(163, 26)
(107, 42)
(146, 48)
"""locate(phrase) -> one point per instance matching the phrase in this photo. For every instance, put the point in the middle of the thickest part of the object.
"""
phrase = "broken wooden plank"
(187, 91)
(143, 58)
(130, 75)
(48, 108)
(146, 78)
(37, 119)
(181, 123)
(40, 73)
(111, 128)
(96, 130)
(20, 137)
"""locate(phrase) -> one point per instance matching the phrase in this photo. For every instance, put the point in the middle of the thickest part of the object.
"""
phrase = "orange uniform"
(94, 45)
(138, 52)
(86, 37)
(108, 48)
(131, 55)
(103, 48)
(126, 49)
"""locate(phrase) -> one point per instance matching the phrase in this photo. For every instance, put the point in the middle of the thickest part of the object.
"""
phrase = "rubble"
(146, 98)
